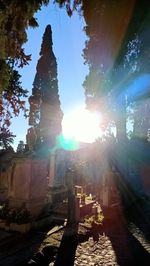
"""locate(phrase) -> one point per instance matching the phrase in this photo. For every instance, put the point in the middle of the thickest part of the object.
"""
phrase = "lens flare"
(82, 125)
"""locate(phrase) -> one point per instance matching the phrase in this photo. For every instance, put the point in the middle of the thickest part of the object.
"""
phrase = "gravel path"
(117, 242)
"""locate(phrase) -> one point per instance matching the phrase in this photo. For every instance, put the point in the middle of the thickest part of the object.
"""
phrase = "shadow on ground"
(139, 214)
(129, 251)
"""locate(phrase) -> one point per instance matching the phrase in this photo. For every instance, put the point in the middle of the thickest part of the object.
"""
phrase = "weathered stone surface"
(28, 184)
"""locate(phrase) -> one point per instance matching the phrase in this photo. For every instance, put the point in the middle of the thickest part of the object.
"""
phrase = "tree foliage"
(6, 138)
(71, 6)
(15, 17)
(11, 100)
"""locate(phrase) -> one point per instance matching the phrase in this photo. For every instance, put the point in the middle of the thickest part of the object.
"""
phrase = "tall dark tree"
(45, 113)
(117, 52)
(103, 20)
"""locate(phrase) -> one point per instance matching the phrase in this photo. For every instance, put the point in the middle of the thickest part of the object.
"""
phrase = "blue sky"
(68, 43)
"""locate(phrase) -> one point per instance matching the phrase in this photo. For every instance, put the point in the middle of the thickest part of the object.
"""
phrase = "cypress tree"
(45, 111)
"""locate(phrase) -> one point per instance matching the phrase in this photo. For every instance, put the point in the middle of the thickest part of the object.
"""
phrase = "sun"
(82, 125)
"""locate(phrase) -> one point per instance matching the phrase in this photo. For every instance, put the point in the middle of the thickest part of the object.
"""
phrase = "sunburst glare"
(82, 125)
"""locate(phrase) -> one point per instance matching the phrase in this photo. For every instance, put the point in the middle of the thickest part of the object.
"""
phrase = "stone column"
(71, 197)
(51, 170)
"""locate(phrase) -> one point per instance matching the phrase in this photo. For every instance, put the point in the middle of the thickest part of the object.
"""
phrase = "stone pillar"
(51, 174)
(71, 197)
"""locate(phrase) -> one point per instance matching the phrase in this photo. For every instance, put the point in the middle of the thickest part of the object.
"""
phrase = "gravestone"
(56, 178)
(28, 184)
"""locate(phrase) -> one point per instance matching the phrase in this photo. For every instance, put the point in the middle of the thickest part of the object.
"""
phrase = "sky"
(68, 43)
